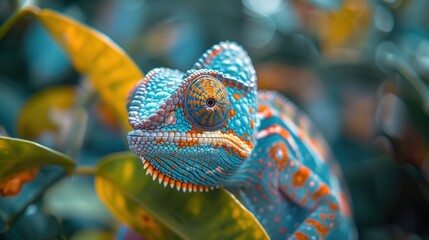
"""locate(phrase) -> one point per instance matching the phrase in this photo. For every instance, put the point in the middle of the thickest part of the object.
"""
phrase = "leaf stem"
(85, 170)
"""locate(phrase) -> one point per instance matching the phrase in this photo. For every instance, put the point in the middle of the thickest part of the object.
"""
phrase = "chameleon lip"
(215, 139)
(165, 180)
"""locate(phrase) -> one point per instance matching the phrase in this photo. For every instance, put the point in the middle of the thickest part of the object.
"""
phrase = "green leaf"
(62, 201)
(18, 156)
(159, 213)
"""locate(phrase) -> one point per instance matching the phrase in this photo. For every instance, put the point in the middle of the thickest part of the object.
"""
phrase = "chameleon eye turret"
(206, 103)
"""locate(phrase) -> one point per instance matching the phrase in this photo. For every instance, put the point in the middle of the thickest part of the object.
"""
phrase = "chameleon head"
(193, 130)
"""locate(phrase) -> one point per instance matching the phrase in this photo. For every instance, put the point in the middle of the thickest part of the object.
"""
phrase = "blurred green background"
(360, 69)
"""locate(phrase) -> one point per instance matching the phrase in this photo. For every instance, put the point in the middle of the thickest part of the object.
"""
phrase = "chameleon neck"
(246, 175)
(249, 172)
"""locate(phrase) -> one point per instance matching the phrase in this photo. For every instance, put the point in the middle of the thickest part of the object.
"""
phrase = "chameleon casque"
(210, 127)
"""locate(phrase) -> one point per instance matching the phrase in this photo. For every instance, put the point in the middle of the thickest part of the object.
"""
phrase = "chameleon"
(210, 127)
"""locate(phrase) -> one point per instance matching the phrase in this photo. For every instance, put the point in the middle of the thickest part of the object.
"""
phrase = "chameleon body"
(209, 127)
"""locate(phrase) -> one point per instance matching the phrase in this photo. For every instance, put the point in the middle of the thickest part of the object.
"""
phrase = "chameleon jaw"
(165, 180)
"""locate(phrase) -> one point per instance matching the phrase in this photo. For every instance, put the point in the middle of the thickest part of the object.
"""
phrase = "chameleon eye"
(206, 103)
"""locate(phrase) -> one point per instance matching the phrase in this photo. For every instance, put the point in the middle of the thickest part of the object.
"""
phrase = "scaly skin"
(209, 127)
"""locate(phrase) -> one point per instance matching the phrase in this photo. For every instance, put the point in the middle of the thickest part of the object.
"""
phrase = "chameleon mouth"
(215, 139)
(165, 180)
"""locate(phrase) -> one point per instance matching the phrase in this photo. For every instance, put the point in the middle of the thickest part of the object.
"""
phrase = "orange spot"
(13, 185)
(189, 141)
(279, 154)
(251, 110)
(282, 230)
(300, 236)
(212, 55)
(283, 133)
(319, 227)
(262, 108)
(216, 52)
(333, 206)
(231, 112)
(322, 216)
(300, 176)
(277, 129)
(145, 218)
(236, 96)
(252, 124)
(265, 110)
(331, 216)
(322, 191)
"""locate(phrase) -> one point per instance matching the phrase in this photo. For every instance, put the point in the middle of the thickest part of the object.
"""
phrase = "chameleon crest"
(193, 130)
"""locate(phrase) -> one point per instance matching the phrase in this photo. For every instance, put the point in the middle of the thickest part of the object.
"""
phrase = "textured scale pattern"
(209, 127)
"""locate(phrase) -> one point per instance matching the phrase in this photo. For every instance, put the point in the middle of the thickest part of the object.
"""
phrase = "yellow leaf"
(345, 27)
(162, 213)
(109, 68)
